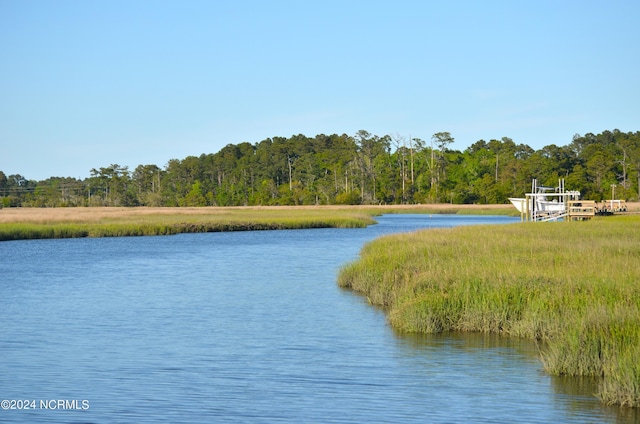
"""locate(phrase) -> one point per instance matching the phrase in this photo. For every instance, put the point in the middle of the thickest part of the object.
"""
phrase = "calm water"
(247, 327)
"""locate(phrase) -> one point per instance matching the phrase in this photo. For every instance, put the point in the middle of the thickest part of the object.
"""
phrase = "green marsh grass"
(573, 287)
(105, 222)
(32, 223)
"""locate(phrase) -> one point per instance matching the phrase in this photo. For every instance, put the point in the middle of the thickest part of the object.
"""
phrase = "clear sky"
(87, 84)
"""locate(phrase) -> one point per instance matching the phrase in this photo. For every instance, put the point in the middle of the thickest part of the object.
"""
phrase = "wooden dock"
(609, 207)
(545, 204)
(579, 210)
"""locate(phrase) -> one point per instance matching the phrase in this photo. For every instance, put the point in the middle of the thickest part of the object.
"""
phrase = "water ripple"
(249, 327)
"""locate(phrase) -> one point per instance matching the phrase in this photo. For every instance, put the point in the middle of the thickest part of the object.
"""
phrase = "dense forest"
(343, 169)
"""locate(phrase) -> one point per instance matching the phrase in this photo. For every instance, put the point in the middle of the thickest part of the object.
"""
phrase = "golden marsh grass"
(25, 223)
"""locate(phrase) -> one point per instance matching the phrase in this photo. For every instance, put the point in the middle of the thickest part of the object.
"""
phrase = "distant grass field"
(574, 287)
(35, 223)
(115, 222)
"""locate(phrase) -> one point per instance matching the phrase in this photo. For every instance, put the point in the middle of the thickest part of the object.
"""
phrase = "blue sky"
(86, 84)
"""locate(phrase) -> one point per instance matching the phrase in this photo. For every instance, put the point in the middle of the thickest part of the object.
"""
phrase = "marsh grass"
(32, 223)
(573, 287)
(116, 222)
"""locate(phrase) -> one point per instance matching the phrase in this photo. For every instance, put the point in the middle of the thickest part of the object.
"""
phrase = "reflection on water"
(577, 393)
(249, 327)
(497, 364)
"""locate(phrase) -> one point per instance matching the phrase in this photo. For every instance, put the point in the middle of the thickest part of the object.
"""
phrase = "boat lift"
(546, 203)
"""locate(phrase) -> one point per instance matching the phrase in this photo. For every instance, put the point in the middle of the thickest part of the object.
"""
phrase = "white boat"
(544, 203)
(519, 203)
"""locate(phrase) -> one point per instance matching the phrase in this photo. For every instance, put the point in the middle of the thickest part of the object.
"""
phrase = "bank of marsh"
(33, 223)
(106, 222)
(573, 287)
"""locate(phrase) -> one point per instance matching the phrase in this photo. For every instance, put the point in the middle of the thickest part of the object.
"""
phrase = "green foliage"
(350, 198)
(195, 197)
(341, 169)
(571, 286)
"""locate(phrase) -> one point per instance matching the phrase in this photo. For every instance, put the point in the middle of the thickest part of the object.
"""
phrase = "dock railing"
(581, 209)
(611, 206)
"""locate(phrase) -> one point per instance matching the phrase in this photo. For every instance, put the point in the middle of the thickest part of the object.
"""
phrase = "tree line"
(342, 169)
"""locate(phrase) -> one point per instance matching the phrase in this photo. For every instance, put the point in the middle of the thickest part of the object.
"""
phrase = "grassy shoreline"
(41, 223)
(573, 287)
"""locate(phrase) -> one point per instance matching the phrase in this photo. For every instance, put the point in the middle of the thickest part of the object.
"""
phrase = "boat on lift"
(545, 203)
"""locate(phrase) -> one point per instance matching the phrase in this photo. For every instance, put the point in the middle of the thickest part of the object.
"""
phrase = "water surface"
(248, 327)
